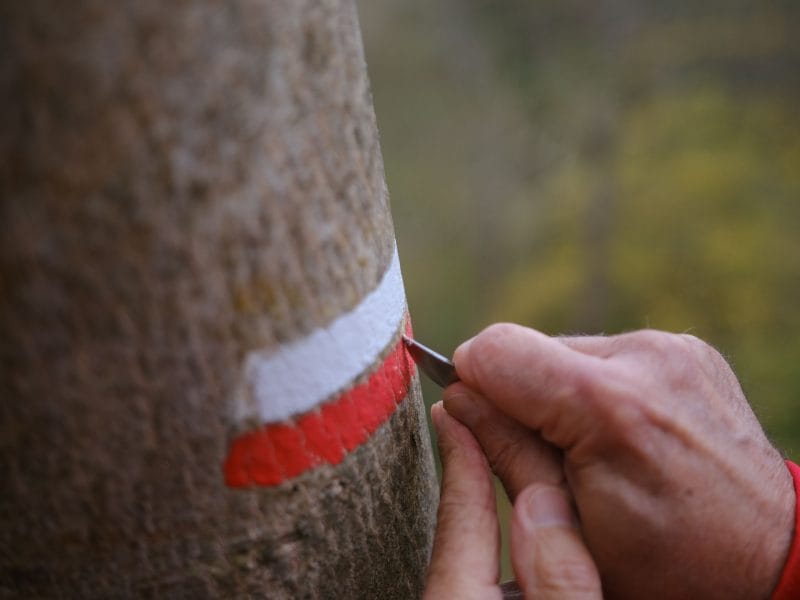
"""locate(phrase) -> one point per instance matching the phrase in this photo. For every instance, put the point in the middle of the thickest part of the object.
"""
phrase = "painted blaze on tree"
(204, 393)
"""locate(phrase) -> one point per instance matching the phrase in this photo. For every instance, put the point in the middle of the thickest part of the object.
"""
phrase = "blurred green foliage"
(599, 166)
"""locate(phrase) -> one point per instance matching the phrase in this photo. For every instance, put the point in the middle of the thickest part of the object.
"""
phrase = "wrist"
(788, 583)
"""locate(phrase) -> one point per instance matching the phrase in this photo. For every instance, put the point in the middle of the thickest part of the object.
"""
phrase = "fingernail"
(546, 507)
(464, 408)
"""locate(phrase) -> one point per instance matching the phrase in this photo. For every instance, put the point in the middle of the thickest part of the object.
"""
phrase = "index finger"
(465, 562)
(536, 379)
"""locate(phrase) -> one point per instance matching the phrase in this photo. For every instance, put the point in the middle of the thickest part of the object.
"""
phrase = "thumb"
(549, 557)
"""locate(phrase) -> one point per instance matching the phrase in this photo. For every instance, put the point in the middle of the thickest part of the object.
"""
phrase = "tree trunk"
(192, 208)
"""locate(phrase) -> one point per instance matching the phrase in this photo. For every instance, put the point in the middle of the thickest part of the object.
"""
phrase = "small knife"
(441, 370)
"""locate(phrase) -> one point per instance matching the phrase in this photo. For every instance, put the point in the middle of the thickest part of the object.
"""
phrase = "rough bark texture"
(182, 183)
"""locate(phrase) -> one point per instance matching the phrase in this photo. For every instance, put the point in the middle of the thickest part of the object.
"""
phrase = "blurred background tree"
(599, 166)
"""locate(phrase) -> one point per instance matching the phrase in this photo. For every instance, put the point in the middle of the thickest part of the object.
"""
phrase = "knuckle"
(504, 458)
(693, 341)
(699, 348)
(492, 336)
(705, 351)
(455, 507)
(661, 342)
(676, 356)
(488, 346)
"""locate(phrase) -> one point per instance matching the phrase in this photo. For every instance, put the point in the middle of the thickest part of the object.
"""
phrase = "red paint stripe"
(280, 451)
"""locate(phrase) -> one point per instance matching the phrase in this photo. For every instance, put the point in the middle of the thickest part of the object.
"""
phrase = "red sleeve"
(789, 584)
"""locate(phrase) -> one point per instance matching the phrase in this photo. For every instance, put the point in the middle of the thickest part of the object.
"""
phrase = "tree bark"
(184, 184)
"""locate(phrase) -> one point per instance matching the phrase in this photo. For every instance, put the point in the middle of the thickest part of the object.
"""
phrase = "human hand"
(548, 553)
(678, 491)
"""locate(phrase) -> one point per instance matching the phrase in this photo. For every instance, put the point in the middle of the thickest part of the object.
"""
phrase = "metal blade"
(434, 365)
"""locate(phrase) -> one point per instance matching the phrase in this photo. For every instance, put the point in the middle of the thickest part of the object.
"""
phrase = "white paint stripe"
(298, 376)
